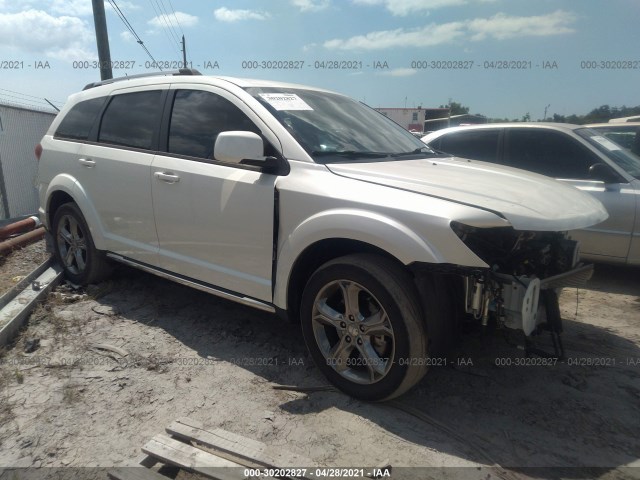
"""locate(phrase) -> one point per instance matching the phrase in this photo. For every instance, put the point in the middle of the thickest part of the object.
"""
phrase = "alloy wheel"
(353, 332)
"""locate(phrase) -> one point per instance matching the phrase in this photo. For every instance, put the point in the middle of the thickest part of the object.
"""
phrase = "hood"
(527, 200)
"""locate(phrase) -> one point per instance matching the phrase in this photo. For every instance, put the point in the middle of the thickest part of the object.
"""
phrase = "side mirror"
(604, 173)
(235, 146)
(246, 148)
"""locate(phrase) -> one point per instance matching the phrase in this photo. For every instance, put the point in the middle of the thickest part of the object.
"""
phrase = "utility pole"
(544, 119)
(102, 39)
(184, 53)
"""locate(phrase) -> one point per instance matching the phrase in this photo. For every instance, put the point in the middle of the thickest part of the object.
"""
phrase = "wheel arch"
(64, 189)
(352, 231)
(316, 255)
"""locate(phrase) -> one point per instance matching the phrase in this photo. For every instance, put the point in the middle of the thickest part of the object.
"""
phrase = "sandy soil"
(486, 414)
(19, 263)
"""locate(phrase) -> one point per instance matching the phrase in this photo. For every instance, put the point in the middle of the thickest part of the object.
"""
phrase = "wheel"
(74, 248)
(362, 325)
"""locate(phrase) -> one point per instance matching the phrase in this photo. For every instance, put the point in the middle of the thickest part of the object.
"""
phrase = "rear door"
(214, 220)
(559, 155)
(113, 170)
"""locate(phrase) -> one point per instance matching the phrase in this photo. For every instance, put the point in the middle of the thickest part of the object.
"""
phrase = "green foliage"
(602, 114)
(456, 108)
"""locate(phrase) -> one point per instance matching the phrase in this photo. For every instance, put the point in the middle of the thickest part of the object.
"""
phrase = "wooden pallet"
(206, 454)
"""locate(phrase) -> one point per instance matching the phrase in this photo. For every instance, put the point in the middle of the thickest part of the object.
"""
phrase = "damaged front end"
(520, 288)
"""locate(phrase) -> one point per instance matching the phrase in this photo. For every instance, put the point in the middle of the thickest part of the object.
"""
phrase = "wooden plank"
(174, 452)
(134, 473)
(243, 450)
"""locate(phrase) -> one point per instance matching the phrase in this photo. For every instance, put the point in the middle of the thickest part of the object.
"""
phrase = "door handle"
(167, 177)
(87, 162)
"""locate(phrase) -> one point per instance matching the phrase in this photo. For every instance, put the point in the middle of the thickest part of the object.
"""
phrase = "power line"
(166, 31)
(184, 48)
(166, 15)
(176, 17)
(132, 30)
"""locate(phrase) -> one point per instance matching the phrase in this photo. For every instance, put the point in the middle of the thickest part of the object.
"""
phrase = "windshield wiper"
(424, 149)
(352, 154)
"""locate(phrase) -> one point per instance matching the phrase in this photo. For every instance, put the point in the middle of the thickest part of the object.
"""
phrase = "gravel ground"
(487, 414)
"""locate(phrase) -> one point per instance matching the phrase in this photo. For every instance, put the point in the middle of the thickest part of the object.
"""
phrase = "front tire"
(74, 248)
(361, 321)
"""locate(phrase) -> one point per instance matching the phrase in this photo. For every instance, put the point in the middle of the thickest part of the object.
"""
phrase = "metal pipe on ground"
(18, 227)
(21, 241)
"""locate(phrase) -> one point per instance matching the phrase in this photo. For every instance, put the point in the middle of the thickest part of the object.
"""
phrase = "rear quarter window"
(474, 144)
(77, 124)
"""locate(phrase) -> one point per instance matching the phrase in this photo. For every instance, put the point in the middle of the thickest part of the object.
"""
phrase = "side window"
(437, 144)
(197, 119)
(549, 153)
(474, 144)
(77, 124)
(131, 119)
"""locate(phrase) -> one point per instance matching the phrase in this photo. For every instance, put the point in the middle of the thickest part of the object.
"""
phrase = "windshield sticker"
(285, 101)
(606, 143)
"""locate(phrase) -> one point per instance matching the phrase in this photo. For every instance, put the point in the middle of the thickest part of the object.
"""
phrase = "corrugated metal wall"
(20, 130)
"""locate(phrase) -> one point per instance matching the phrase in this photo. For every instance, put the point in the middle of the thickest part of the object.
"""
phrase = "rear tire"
(74, 248)
(361, 321)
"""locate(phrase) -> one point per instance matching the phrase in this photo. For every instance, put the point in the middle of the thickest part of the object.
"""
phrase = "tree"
(456, 108)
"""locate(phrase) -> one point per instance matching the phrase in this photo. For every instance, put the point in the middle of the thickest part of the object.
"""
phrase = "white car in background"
(306, 203)
(578, 156)
(625, 134)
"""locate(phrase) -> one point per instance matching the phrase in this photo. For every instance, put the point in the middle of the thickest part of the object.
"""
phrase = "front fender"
(372, 228)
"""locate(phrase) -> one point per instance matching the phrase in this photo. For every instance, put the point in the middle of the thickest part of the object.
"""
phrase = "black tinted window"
(475, 144)
(550, 153)
(131, 119)
(197, 119)
(77, 123)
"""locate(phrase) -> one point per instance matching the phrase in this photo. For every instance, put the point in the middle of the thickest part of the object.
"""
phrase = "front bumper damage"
(524, 303)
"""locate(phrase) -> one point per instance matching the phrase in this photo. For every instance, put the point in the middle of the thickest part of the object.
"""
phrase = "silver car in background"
(573, 154)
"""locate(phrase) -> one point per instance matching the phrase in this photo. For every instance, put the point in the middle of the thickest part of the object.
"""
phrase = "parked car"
(575, 155)
(625, 134)
(306, 203)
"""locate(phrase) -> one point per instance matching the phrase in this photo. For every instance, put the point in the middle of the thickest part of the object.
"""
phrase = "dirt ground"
(19, 263)
(73, 403)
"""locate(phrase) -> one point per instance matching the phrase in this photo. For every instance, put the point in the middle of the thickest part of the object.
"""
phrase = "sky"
(501, 58)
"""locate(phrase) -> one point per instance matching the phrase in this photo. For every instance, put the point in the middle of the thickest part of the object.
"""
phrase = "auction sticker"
(606, 143)
(285, 101)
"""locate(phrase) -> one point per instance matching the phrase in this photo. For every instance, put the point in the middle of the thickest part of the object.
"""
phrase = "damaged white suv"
(306, 203)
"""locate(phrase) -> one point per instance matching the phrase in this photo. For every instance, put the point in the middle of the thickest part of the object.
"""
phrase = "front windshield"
(626, 135)
(334, 128)
(622, 157)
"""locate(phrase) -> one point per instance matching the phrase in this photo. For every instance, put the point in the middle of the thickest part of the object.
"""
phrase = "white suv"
(306, 203)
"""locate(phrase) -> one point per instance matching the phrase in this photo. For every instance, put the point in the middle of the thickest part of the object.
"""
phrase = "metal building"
(20, 131)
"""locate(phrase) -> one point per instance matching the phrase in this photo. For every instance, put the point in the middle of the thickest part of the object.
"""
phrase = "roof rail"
(182, 71)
